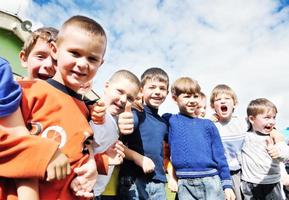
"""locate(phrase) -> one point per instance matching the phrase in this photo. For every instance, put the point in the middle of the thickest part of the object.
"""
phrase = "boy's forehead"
(155, 82)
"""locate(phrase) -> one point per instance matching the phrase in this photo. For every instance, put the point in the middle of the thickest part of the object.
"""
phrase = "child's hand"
(173, 184)
(145, 163)
(125, 120)
(97, 112)
(115, 153)
(272, 149)
(83, 183)
(138, 106)
(276, 136)
(229, 194)
(285, 180)
(59, 167)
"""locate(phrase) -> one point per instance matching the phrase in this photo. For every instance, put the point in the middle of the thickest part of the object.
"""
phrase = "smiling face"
(39, 62)
(187, 103)
(118, 93)
(264, 122)
(154, 93)
(224, 106)
(79, 55)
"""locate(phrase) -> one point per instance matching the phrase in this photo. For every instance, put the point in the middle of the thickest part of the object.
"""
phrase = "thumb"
(100, 102)
(127, 107)
(269, 141)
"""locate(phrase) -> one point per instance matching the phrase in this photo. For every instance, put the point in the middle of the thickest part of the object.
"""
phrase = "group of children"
(91, 144)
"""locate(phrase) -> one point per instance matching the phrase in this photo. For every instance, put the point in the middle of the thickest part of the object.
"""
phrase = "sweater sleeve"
(219, 156)
(25, 156)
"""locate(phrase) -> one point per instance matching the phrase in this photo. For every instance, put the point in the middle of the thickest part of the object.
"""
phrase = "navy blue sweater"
(150, 130)
(196, 148)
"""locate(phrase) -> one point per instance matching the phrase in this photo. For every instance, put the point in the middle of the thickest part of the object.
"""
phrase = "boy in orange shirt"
(78, 59)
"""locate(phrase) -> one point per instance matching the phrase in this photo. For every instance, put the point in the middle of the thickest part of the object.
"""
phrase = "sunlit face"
(263, 123)
(79, 55)
(224, 106)
(201, 108)
(154, 93)
(187, 103)
(39, 62)
(119, 93)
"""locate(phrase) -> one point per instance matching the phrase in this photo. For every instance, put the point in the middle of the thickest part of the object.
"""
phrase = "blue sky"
(242, 43)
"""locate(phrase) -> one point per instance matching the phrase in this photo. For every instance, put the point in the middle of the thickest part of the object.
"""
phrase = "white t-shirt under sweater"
(232, 135)
(104, 136)
(257, 165)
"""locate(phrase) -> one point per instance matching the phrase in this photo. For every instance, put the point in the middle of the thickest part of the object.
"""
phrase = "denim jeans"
(207, 188)
(140, 188)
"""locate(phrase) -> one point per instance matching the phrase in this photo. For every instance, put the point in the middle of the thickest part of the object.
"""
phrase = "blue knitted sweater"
(196, 148)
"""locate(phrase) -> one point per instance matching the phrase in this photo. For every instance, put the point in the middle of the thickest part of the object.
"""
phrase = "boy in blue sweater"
(197, 152)
(142, 175)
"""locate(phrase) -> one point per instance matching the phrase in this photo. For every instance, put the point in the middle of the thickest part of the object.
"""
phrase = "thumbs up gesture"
(125, 120)
(272, 149)
(97, 112)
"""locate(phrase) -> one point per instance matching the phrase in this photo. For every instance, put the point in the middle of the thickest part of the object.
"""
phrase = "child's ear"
(251, 119)
(53, 50)
(174, 97)
(23, 59)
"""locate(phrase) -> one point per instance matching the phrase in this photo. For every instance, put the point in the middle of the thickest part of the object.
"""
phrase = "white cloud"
(242, 43)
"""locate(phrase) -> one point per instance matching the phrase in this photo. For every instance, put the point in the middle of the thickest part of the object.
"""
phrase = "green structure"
(13, 31)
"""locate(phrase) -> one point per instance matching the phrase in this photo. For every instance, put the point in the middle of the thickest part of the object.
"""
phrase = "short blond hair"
(85, 23)
(185, 85)
(47, 34)
(223, 89)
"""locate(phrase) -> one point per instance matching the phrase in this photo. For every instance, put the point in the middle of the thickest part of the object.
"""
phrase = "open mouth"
(224, 108)
(268, 128)
(44, 76)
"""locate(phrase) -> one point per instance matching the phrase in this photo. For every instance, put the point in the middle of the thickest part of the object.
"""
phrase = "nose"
(82, 63)
(49, 65)
(123, 99)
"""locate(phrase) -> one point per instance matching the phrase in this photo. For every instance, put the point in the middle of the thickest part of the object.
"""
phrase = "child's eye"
(74, 54)
(93, 59)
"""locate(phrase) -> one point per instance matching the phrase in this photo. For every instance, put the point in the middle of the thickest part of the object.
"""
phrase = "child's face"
(154, 93)
(39, 62)
(187, 103)
(201, 108)
(224, 106)
(264, 122)
(118, 94)
(79, 55)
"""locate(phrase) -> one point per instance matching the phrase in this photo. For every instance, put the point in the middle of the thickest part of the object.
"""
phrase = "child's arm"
(144, 162)
(172, 182)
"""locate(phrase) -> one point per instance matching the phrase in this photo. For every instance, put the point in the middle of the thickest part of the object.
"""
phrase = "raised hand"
(125, 120)
(272, 149)
(97, 112)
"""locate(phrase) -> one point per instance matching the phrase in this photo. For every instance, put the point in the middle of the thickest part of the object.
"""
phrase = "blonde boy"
(196, 150)
(79, 52)
(202, 106)
(223, 101)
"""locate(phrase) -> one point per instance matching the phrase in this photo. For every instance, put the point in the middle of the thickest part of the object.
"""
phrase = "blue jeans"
(207, 188)
(139, 188)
